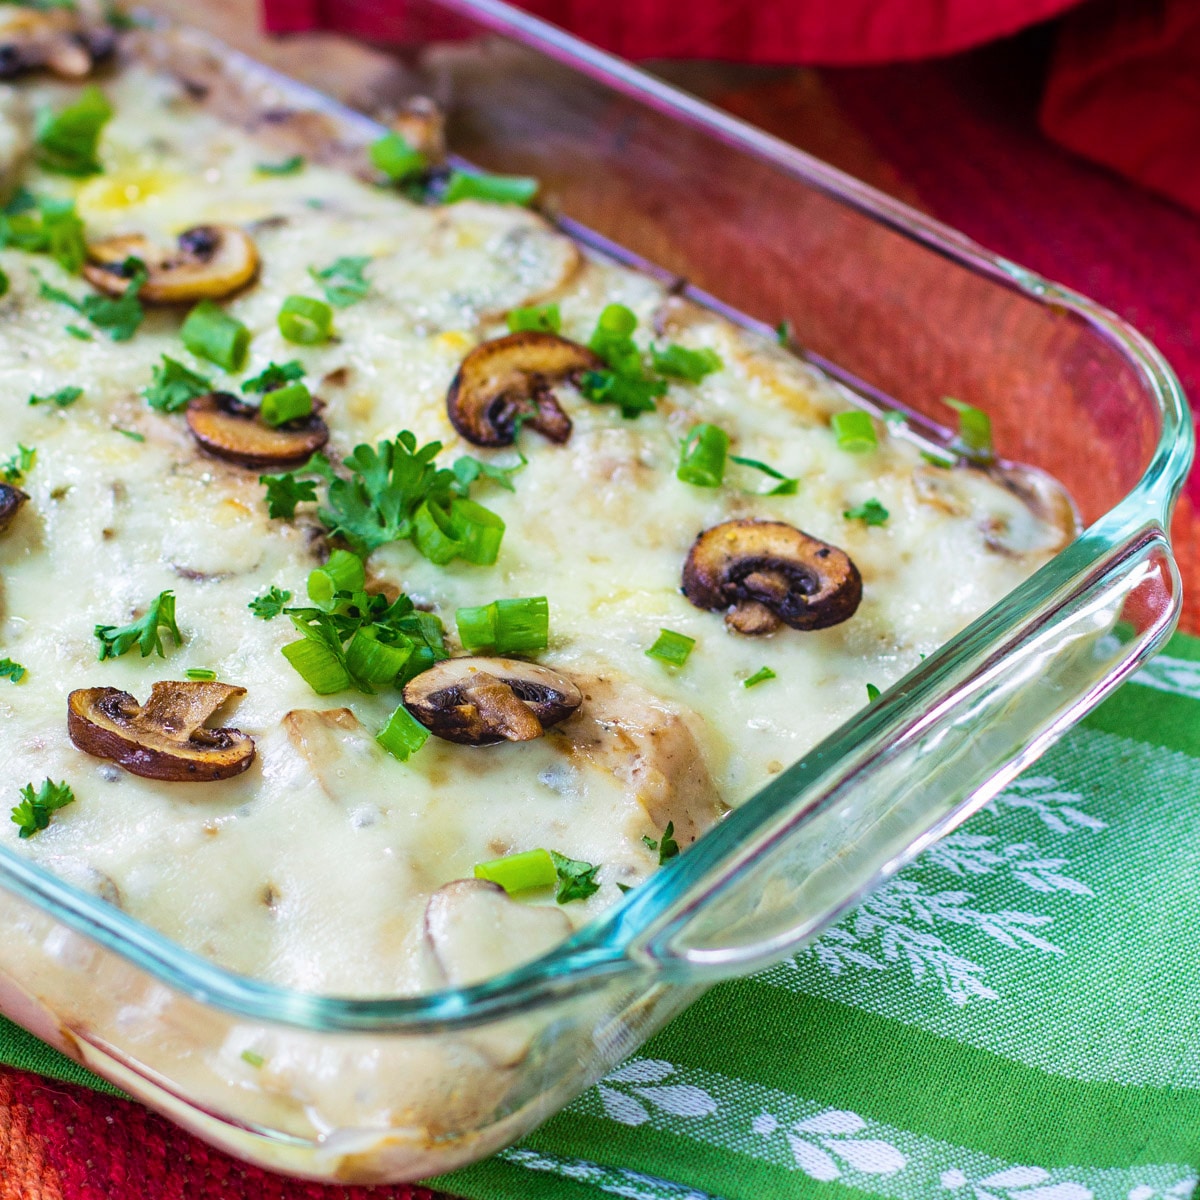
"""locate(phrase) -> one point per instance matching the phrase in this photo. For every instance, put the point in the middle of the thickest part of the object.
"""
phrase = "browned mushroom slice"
(508, 381)
(421, 124)
(166, 738)
(11, 499)
(234, 431)
(59, 38)
(476, 931)
(766, 573)
(481, 701)
(210, 261)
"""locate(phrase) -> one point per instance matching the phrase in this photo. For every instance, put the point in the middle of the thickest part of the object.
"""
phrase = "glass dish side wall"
(779, 236)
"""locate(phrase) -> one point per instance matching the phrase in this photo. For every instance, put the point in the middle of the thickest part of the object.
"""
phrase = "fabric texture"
(767, 31)
(1012, 1017)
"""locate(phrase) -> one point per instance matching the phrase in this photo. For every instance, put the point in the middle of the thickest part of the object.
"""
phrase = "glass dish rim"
(599, 951)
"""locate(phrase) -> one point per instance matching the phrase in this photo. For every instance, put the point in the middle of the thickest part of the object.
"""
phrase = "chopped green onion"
(520, 872)
(373, 661)
(396, 157)
(81, 334)
(287, 166)
(974, 439)
(434, 535)
(287, 403)
(255, 1060)
(67, 140)
(938, 458)
(499, 189)
(305, 321)
(671, 648)
(520, 626)
(210, 332)
(4, 285)
(786, 485)
(702, 456)
(873, 693)
(342, 572)
(403, 735)
(131, 434)
(681, 363)
(870, 512)
(33, 813)
(477, 529)
(318, 665)
(759, 676)
(615, 321)
(854, 430)
(63, 398)
(200, 674)
(541, 318)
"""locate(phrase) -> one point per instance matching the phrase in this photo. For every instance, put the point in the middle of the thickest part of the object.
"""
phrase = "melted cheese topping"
(314, 868)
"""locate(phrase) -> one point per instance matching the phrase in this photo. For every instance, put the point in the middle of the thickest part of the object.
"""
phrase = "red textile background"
(765, 31)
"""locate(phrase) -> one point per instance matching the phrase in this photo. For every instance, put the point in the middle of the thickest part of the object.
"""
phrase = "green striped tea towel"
(1015, 1016)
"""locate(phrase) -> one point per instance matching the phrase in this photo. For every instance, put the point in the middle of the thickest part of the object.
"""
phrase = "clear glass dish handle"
(1018, 678)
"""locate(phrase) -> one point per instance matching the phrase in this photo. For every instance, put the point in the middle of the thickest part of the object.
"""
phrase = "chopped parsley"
(287, 166)
(131, 434)
(273, 376)
(119, 317)
(144, 633)
(397, 157)
(33, 813)
(759, 676)
(873, 693)
(11, 670)
(668, 847)
(172, 385)
(870, 512)
(270, 604)
(576, 879)
(66, 141)
(63, 398)
(342, 281)
(47, 226)
(284, 492)
(678, 362)
(18, 465)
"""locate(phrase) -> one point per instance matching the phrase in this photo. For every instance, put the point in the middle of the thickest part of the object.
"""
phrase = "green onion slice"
(478, 530)
(374, 661)
(974, 439)
(210, 332)
(403, 735)
(520, 872)
(342, 572)
(541, 318)
(396, 157)
(671, 648)
(759, 676)
(318, 665)
(287, 403)
(499, 189)
(305, 320)
(702, 456)
(520, 626)
(854, 430)
(200, 674)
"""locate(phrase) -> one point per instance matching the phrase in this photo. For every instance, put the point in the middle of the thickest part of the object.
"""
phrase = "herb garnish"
(144, 633)
(667, 848)
(18, 465)
(759, 676)
(272, 376)
(11, 670)
(270, 604)
(33, 813)
(576, 879)
(342, 281)
(47, 226)
(172, 385)
(873, 693)
(63, 398)
(541, 318)
(120, 317)
(82, 334)
(974, 439)
(671, 648)
(678, 362)
(284, 492)
(66, 140)
(396, 157)
(287, 166)
(870, 512)
(255, 1060)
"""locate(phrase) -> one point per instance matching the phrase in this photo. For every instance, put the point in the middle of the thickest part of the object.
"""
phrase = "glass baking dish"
(902, 311)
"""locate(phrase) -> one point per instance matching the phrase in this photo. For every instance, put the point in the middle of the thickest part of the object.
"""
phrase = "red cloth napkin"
(1124, 88)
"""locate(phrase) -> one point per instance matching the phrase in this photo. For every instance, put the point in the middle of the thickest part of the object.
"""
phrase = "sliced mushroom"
(210, 261)
(234, 431)
(766, 573)
(476, 931)
(481, 701)
(421, 123)
(166, 738)
(507, 382)
(11, 499)
(59, 38)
